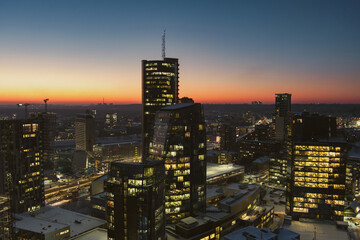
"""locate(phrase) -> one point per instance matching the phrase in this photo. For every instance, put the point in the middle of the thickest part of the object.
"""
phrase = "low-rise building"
(253, 233)
(220, 173)
(54, 223)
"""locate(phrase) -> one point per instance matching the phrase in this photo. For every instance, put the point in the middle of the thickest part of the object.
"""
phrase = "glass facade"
(160, 83)
(135, 201)
(180, 141)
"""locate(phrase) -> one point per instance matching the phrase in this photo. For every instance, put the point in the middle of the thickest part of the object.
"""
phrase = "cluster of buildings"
(25, 148)
(173, 188)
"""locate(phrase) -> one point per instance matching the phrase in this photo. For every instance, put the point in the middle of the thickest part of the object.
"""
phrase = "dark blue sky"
(258, 47)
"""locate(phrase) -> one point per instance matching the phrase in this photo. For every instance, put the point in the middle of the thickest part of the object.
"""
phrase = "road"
(61, 191)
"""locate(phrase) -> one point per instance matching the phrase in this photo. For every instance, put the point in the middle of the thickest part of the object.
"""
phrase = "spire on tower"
(163, 44)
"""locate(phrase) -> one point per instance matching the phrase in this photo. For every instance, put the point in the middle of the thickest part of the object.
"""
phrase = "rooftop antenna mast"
(163, 44)
(45, 101)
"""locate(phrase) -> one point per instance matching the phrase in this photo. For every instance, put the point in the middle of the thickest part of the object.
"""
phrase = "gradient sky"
(79, 51)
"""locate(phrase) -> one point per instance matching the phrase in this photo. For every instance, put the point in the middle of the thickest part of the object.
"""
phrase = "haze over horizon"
(233, 52)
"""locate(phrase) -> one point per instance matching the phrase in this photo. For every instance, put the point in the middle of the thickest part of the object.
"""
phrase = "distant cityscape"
(246, 128)
(172, 168)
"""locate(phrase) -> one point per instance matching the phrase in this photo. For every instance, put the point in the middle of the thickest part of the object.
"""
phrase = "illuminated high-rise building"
(85, 132)
(48, 122)
(135, 200)
(317, 184)
(316, 168)
(282, 116)
(160, 88)
(180, 142)
(21, 164)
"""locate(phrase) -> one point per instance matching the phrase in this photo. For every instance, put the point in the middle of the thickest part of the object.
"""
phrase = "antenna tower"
(163, 44)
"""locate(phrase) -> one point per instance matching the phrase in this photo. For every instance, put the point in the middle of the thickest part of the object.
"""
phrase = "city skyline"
(236, 52)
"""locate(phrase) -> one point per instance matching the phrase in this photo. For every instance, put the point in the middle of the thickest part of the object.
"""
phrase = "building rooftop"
(56, 218)
(32, 224)
(286, 234)
(102, 178)
(214, 169)
(95, 234)
(178, 106)
(263, 159)
(251, 233)
(324, 230)
(355, 151)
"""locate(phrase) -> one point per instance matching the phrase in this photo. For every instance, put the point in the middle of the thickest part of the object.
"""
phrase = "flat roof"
(324, 230)
(263, 159)
(177, 106)
(354, 152)
(95, 234)
(48, 215)
(32, 224)
(214, 169)
(245, 233)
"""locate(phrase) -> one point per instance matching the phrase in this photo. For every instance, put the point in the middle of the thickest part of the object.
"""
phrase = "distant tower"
(228, 136)
(160, 88)
(85, 129)
(282, 116)
(180, 141)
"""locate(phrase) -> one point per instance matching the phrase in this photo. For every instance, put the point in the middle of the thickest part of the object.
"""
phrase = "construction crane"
(45, 101)
(26, 108)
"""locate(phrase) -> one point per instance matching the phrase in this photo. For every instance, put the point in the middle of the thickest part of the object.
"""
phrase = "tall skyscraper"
(227, 137)
(282, 116)
(160, 88)
(135, 200)
(21, 164)
(85, 132)
(180, 141)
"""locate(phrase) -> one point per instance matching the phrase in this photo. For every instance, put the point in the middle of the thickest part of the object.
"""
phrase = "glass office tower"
(160, 88)
(135, 200)
(180, 141)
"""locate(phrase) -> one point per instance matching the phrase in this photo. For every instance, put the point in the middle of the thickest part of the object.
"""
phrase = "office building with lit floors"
(282, 116)
(180, 142)
(135, 200)
(317, 184)
(160, 88)
(21, 165)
